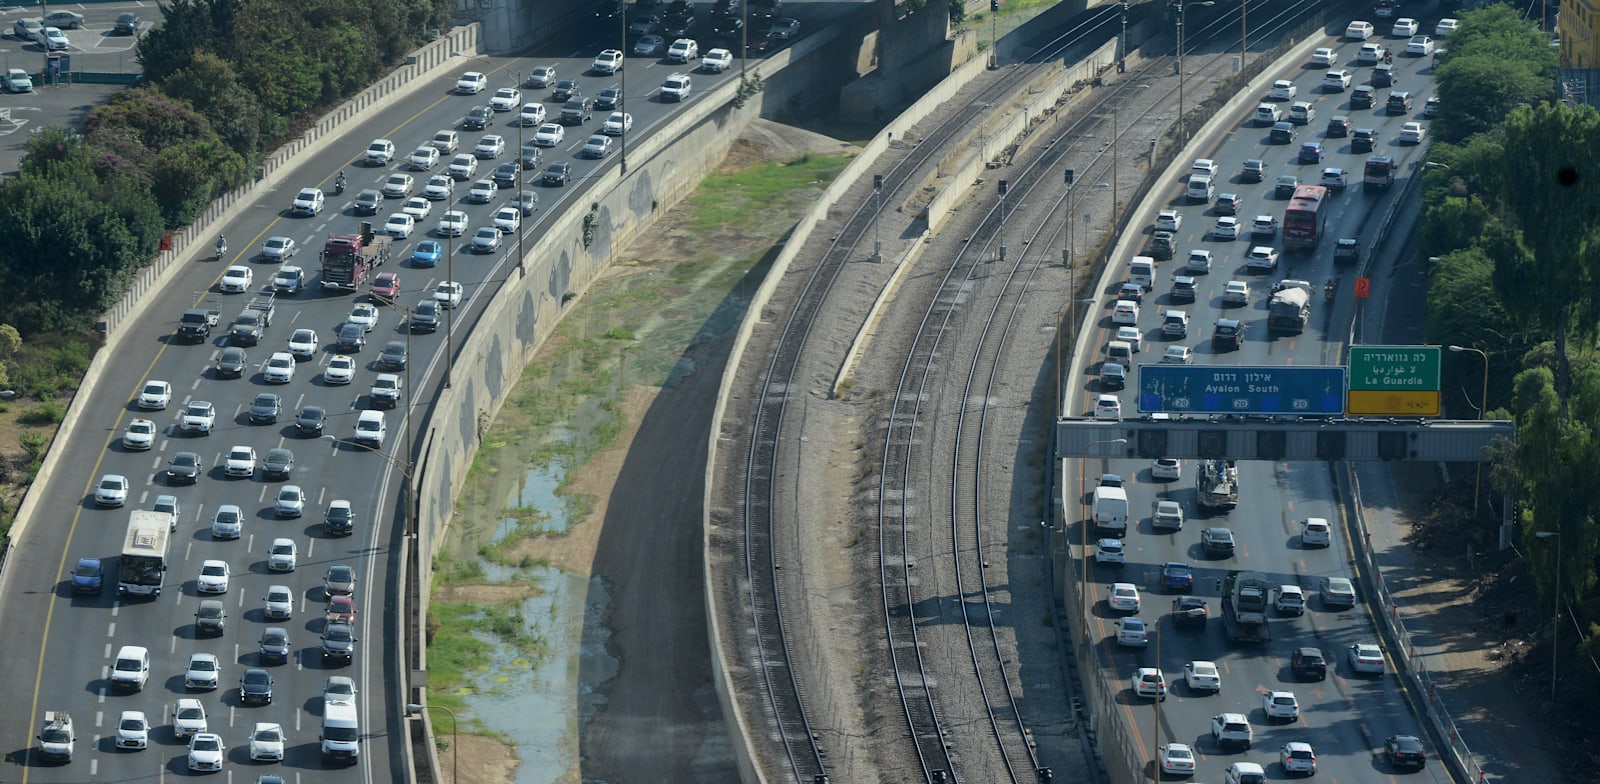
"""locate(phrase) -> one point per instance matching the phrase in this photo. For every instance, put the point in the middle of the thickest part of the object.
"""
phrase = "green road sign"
(1394, 368)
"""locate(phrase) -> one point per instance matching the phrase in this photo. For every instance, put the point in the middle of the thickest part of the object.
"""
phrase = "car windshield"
(215, 570)
(256, 678)
(207, 744)
(191, 712)
(337, 633)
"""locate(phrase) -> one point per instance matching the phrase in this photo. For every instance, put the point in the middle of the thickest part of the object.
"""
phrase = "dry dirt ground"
(658, 721)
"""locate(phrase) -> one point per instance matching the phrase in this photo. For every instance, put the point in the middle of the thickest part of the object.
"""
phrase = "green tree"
(212, 86)
(1555, 454)
(10, 344)
(188, 27)
(1463, 309)
(1496, 62)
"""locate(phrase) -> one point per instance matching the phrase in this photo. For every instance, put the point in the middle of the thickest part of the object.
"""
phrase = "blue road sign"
(1214, 389)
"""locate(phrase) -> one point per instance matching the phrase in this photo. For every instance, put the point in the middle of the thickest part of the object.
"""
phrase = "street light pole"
(1083, 570)
(1183, 133)
(1244, 34)
(622, 89)
(1555, 628)
(415, 709)
(1483, 410)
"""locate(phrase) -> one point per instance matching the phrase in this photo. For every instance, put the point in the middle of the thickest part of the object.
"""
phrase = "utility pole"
(877, 214)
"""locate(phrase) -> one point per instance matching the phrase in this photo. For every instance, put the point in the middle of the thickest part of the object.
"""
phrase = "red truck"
(347, 259)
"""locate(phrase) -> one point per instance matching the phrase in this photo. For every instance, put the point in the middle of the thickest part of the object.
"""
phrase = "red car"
(341, 609)
(385, 287)
(763, 44)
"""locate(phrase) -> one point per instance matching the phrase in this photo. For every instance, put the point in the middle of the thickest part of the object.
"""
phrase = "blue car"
(427, 254)
(1177, 576)
(88, 576)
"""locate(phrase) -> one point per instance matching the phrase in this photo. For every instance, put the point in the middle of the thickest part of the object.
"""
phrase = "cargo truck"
(1290, 306)
(347, 259)
(1217, 485)
(1244, 606)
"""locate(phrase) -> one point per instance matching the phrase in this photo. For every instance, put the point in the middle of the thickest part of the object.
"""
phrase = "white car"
(380, 152)
(549, 135)
(1420, 45)
(1315, 532)
(1282, 90)
(482, 192)
(398, 186)
(532, 114)
(490, 146)
(339, 690)
(206, 752)
(1205, 167)
(155, 395)
(505, 99)
(1199, 261)
(716, 61)
(111, 491)
(1125, 312)
(291, 502)
(598, 146)
(424, 158)
(1366, 658)
(1177, 759)
(188, 717)
(53, 39)
(418, 207)
(283, 555)
(1336, 81)
(1291, 600)
(1358, 31)
(1168, 220)
(18, 81)
(279, 369)
(1132, 336)
(1150, 682)
(1227, 228)
(1280, 705)
(213, 577)
(399, 225)
(198, 417)
(471, 83)
(1262, 257)
(1411, 133)
(1178, 355)
(453, 223)
(1166, 468)
(1107, 407)
(340, 370)
(617, 124)
(448, 293)
(133, 730)
(487, 240)
(1264, 226)
(1404, 27)
(1267, 114)
(1445, 27)
(440, 186)
(237, 280)
(1131, 632)
(1109, 552)
(139, 435)
(279, 248)
(1325, 57)
(308, 201)
(508, 219)
(542, 76)
(683, 50)
(1334, 179)
(1298, 757)
(1203, 676)
(241, 461)
(365, 314)
(1236, 292)
(463, 166)
(302, 344)
(203, 673)
(279, 602)
(1369, 53)
(1124, 597)
(370, 429)
(266, 742)
(608, 62)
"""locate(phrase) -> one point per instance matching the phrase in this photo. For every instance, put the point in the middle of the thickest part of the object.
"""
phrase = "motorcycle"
(222, 249)
(1330, 290)
(338, 185)
(1388, 57)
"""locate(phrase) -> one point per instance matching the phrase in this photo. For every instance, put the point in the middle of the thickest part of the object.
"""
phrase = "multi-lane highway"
(60, 647)
(1346, 717)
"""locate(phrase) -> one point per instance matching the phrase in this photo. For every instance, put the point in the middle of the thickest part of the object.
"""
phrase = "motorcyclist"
(1388, 57)
(338, 184)
(1329, 288)
(222, 245)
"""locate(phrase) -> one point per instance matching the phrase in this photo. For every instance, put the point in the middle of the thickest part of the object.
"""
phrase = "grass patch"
(458, 653)
(43, 415)
(743, 201)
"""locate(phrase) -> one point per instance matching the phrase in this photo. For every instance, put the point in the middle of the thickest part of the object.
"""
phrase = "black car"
(339, 520)
(1217, 541)
(311, 420)
(1339, 127)
(255, 687)
(352, 336)
(426, 317)
(1405, 751)
(279, 462)
(558, 173)
(608, 99)
(1182, 289)
(368, 202)
(211, 619)
(478, 118)
(727, 27)
(1191, 612)
(678, 25)
(265, 408)
(1362, 97)
(610, 9)
(1161, 245)
(507, 174)
(566, 89)
(530, 156)
(1383, 76)
(126, 24)
(275, 645)
(1228, 335)
(1281, 133)
(393, 356)
(1309, 663)
(577, 110)
(1364, 140)
(231, 363)
(184, 467)
(1255, 170)
(1399, 102)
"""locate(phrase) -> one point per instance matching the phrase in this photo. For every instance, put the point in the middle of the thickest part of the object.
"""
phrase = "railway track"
(763, 545)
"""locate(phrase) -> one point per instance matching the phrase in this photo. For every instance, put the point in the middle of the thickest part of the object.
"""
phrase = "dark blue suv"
(1177, 576)
(88, 576)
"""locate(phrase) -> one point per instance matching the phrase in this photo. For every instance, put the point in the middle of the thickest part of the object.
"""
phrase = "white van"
(1200, 188)
(1245, 773)
(1120, 352)
(1111, 509)
(131, 670)
(341, 733)
(1142, 271)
